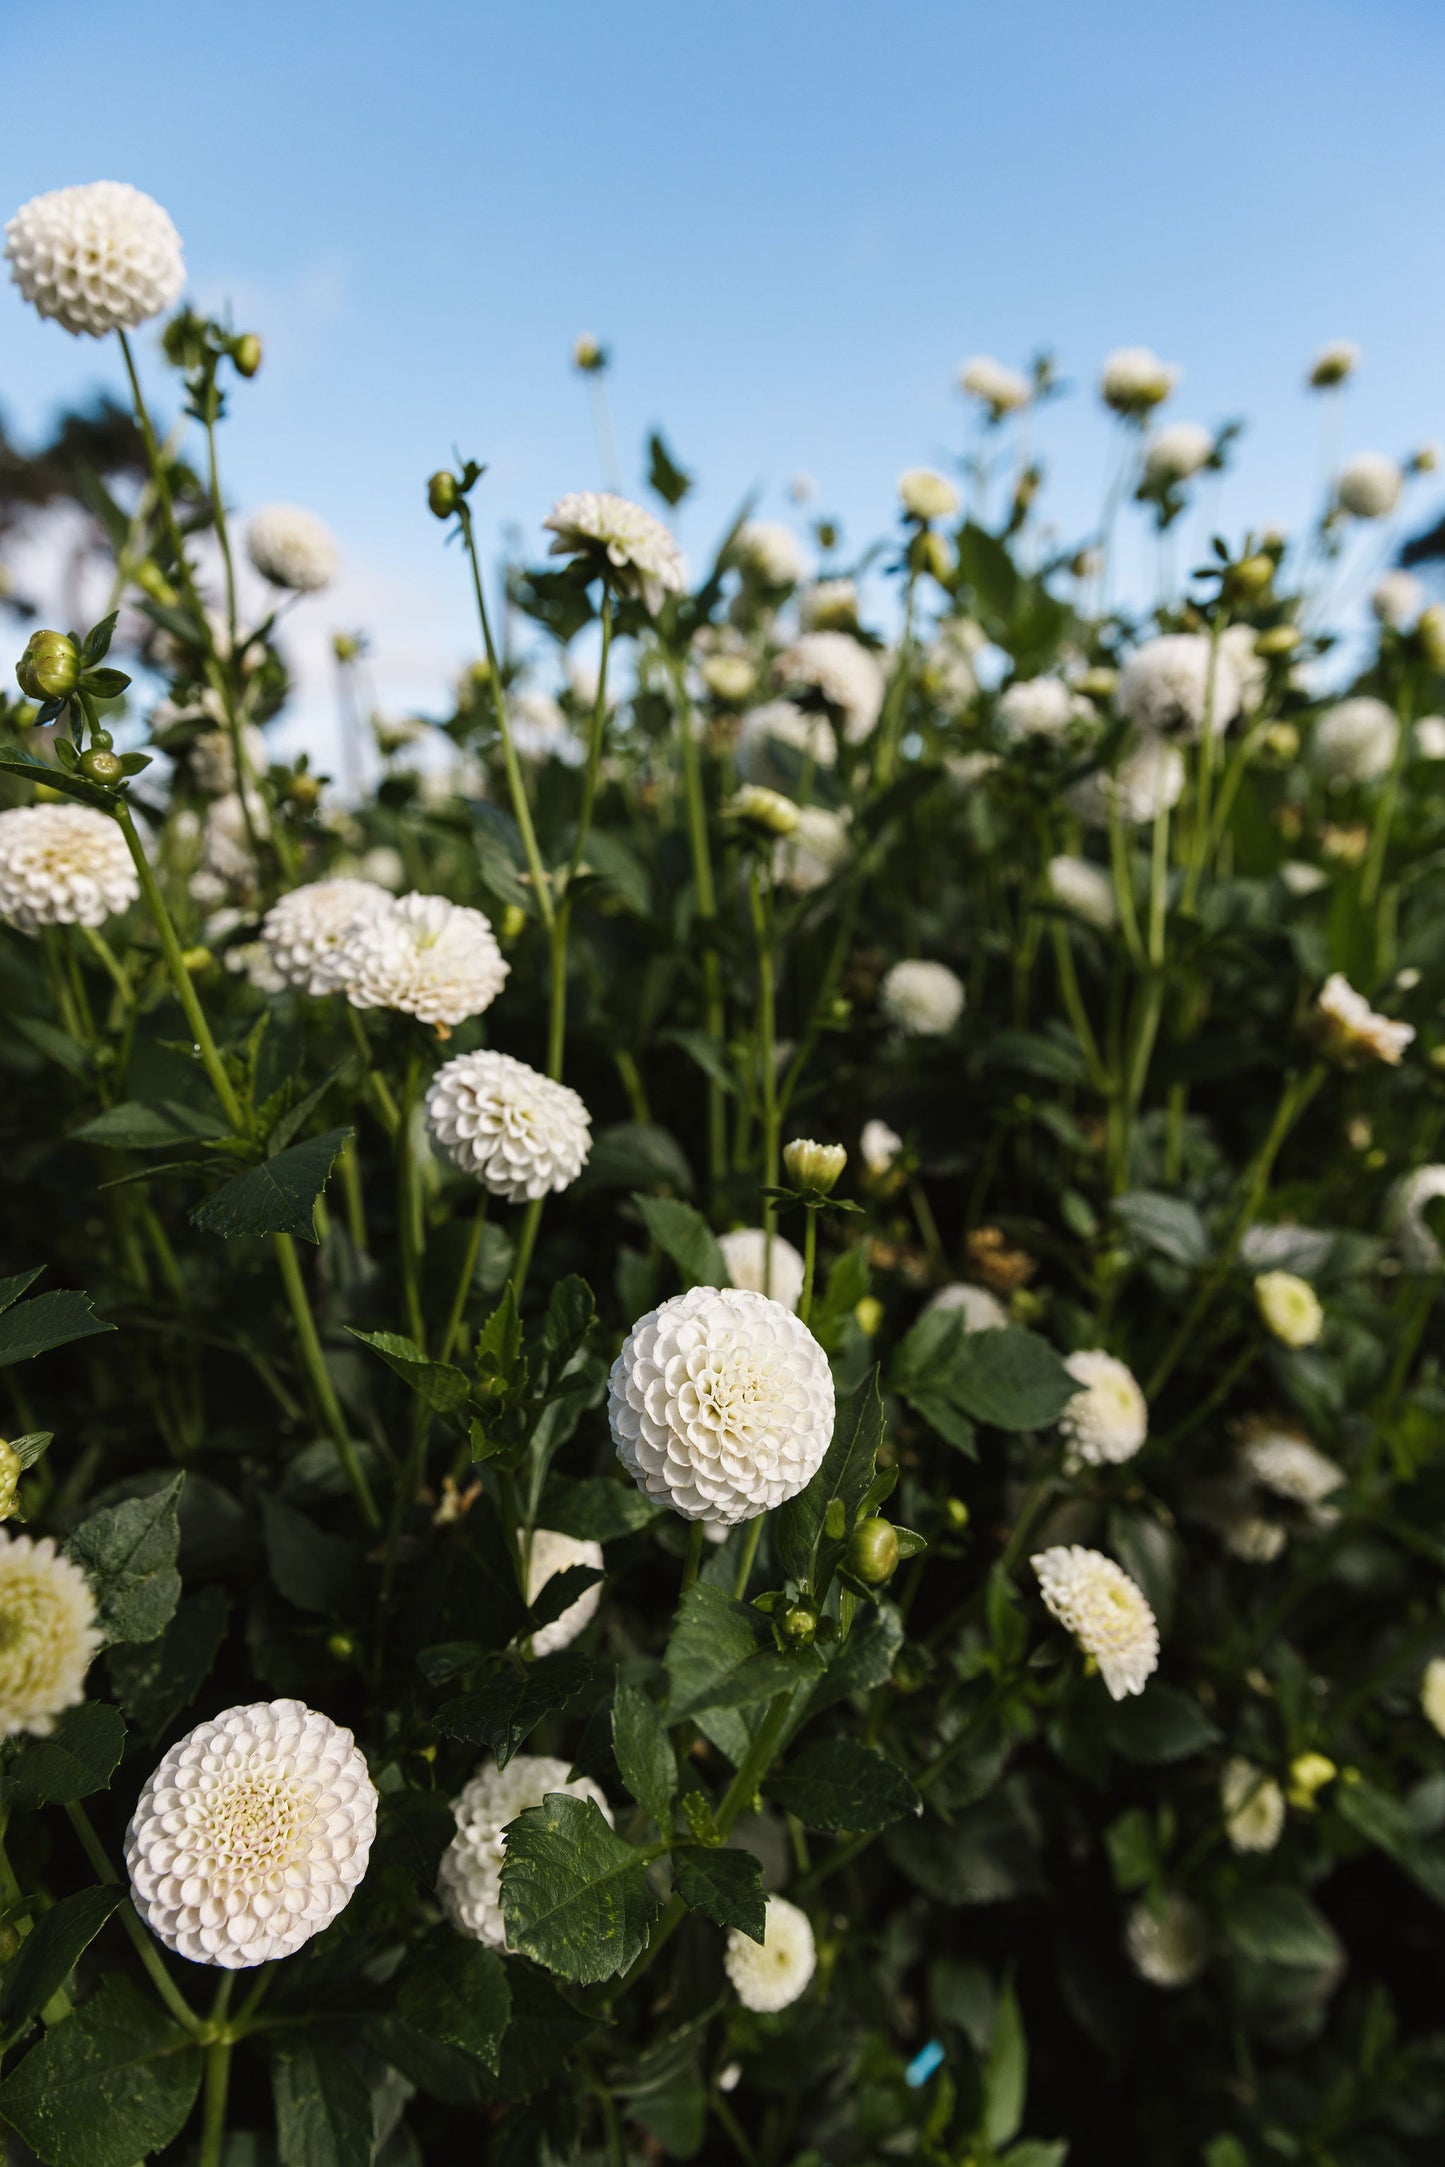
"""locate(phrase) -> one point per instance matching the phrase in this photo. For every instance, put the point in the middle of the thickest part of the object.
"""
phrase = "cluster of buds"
(60, 672)
(196, 344)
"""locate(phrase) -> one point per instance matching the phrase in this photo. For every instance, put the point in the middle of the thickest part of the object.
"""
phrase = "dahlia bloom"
(1355, 741)
(429, 958)
(770, 551)
(96, 258)
(62, 865)
(307, 931)
(1405, 1217)
(1084, 889)
(1040, 707)
(1432, 1693)
(1001, 389)
(1134, 379)
(1289, 1466)
(518, 1133)
(1369, 486)
(879, 1147)
(780, 722)
(1290, 1308)
(292, 548)
(1107, 1420)
(640, 555)
(842, 671)
(48, 1633)
(923, 999)
(980, 1310)
(550, 1554)
(1167, 1943)
(1398, 598)
(1253, 1806)
(814, 851)
(751, 1260)
(1350, 1027)
(1177, 452)
(1169, 684)
(1096, 1601)
(925, 495)
(769, 1976)
(469, 1879)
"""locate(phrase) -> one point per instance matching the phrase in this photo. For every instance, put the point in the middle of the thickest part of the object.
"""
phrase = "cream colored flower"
(1096, 1601)
(1149, 780)
(292, 548)
(48, 1634)
(1167, 1942)
(771, 1975)
(729, 677)
(469, 1879)
(1290, 1307)
(97, 258)
(307, 931)
(518, 1133)
(62, 865)
(1432, 1693)
(1171, 683)
(641, 556)
(1177, 452)
(844, 672)
(212, 758)
(1351, 1028)
(980, 1310)
(721, 1404)
(1040, 707)
(252, 1834)
(1001, 389)
(879, 1147)
(1398, 598)
(922, 998)
(779, 722)
(770, 552)
(762, 1267)
(925, 495)
(432, 959)
(1107, 1420)
(1355, 742)
(1253, 1805)
(818, 847)
(253, 961)
(829, 605)
(1134, 380)
(1084, 889)
(549, 1555)
(1251, 1537)
(1430, 737)
(1405, 1217)
(1369, 486)
(1289, 1466)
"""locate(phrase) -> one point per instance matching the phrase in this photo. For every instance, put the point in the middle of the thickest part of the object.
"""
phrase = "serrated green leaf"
(643, 1752)
(323, 2106)
(456, 1993)
(725, 1886)
(440, 1385)
(1159, 1726)
(73, 1761)
(51, 1951)
(499, 1342)
(155, 1681)
(14, 1286)
(599, 1509)
(1011, 1379)
(149, 1124)
(575, 1897)
(684, 1235)
(32, 770)
(312, 1569)
(1281, 1926)
(504, 1711)
(128, 1554)
(806, 1552)
(663, 472)
(46, 1321)
(711, 1637)
(113, 2084)
(277, 1197)
(836, 1783)
(1006, 2073)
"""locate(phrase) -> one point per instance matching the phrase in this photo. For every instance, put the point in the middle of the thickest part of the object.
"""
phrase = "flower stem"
(693, 1557)
(464, 1281)
(521, 811)
(810, 1260)
(714, 1012)
(408, 1211)
(767, 1061)
(749, 1551)
(218, 2077)
(314, 1362)
(141, 1940)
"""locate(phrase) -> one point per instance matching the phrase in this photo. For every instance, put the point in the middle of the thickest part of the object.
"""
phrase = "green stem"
(1405, 1350)
(755, 1763)
(767, 1060)
(141, 1940)
(890, 725)
(749, 1551)
(1374, 871)
(1199, 855)
(714, 1013)
(526, 1243)
(314, 1362)
(408, 1210)
(464, 1281)
(810, 1260)
(692, 1557)
(218, 2077)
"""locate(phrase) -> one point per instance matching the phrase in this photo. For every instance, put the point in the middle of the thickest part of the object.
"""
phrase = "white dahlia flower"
(1251, 1537)
(253, 961)
(1236, 643)
(516, 1132)
(1398, 598)
(469, 1879)
(1405, 1217)
(97, 258)
(729, 677)
(980, 1310)
(1253, 1805)
(879, 1147)
(1351, 1027)
(922, 998)
(1369, 486)
(1290, 1308)
(48, 1635)
(642, 557)
(1167, 1942)
(770, 551)
(1289, 1466)
(1355, 742)
(212, 759)
(816, 849)
(762, 1267)
(846, 674)
(780, 722)
(951, 670)
(1177, 452)
(1096, 1601)
(1169, 684)
(1333, 363)
(1001, 389)
(292, 548)
(62, 865)
(1107, 1419)
(1134, 379)
(1430, 737)
(252, 1834)
(429, 958)
(1040, 707)
(721, 1404)
(540, 730)
(829, 605)
(1084, 889)
(549, 1555)
(770, 1975)
(307, 931)
(1432, 1693)
(1148, 781)
(926, 495)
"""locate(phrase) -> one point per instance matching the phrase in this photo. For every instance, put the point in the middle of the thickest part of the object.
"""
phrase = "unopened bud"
(800, 1625)
(1309, 1773)
(1097, 683)
(441, 493)
(1333, 365)
(767, 812)
(10, 1473)
(345, 646)
(246, 354)
(103, 767)
(873, 1551)
(49, 669)
(868, 1315)
(197, 960)
(589, 354)
(814, 1166)
(1430, 633)
(1426, 459)
(1250, 577)
(151, 580)
(932, 552)
(1281, 740)
(956, 1513)
(342, 1646)
(304, 791)
(730, 677)
(513, 920)
(1277, 640)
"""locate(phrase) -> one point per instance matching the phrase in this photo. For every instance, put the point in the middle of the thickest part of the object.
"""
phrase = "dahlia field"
(725, 1425)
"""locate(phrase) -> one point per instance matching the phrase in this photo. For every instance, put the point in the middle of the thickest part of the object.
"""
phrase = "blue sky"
(790, 222)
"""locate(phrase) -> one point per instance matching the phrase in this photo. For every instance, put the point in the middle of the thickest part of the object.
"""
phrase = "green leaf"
(111, 2085)
(78, 1757)
(574, 1896)
(836, 1783)
(1006, 2073)
(710, 1055)
(725, 1886)
(12, 1288)
(1165, 1224)
(503, 1712)
(1281, 1926)
(600, 1509)
(1011, 1379)
(663, 473)
(106, 684)
(439, 1385)
(1159, 1726)
(32, 770)
(154, 1682)
(32, 1446)
(643, 1752)
(761, 1678)
(1383, 1821)
(323, 2106)
(458, 1996)
(846, 1472)
(50, 1953)
(712, 1636)
(683, 1234)
(49, 1320)
(635, 1154)
(499, 1343)
(277, 1197)
(128, 1554)
(313, 1570)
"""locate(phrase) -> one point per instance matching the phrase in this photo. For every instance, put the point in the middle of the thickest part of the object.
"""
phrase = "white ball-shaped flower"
(62, 865)
(817, 848)
(212, 759)
(829, 605)
(1177, 452)
(1291, 1467)
(1253, 1806)
(1169, 684)
(1251, 1536)
(1167, 1943)
(307, 931)
(926, 495)
(1430, 737)
(252, 1834)
(1398, 598)
(980, 1310)
(879, 1146)
(292, 548)
(1355, 741)
(641, 555)
(1096, 1601)
(540, 730)
(48, 1635)
(1107, 1420)
(1432, 1693)
(517, 1132)
(1134, 379)
(1001, 389)
(1084, 889)
(549, 1555)
(762, 1267)
(1149, 780)
(1040, 707)
(1236, 643)
(1405, 1217)
(97, 258)
(1369, 486)
(721, 1404)
(922, 998)
(770, 1975)
(1290, 1308)
(469, 1879)
(427, 957)
(780, 722)
(844, 672)
(1351, 1029)
(770, 552)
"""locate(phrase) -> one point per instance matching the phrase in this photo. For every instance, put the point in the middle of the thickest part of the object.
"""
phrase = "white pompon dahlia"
(761, 1267)
(292, 548)
(1398, 598)
(549, 1555)
(517, 1132)
(1149, 780)
(879, 1147)
(1405, 1217)
(1253, 1806)
(981, 1311)
(97, 258)
(427, 957)
(1134, 379)
(252, 1834)
(469, 1879)
(1355, 741)
(770, 551)
(721, 1404)
(62, 865)
(1432, 1693)
(926, 495)
(1169, 684)
(1107, 1420)
(1289, 1466)
(1096, 1601)
(307, 931)
(780, 722)
(829, 605)
(1290, 1308)
(48, 1635)
(1177, 452)
(212, 759)
(923, 999)
(768, 1976)
(642, 557)
(1369, 486)
(842, 671)
(1001, 389)
(816, 848)
(1085, 889)
(1167, 1943)
(1430, 737)
(1351, 1028)
(1040, 707)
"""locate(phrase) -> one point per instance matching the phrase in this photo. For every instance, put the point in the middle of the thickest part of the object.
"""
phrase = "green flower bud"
(814, 1166)
(1250, 577)
(589, 355)
(49, 669)
(1097, 683)
(441, 493)
(956, 1513)
(102, 766)
(873, 1551)
(800, 1625)
(766, 812)
(10, 1473)
(304, 792)
(1430, 632)
(246, 354)
(1276, 641)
